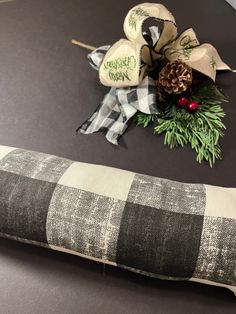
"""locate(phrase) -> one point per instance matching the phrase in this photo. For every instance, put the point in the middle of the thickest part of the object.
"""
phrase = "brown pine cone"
(175, 77)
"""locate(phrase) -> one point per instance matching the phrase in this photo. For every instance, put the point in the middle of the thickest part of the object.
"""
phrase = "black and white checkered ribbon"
(120, 104)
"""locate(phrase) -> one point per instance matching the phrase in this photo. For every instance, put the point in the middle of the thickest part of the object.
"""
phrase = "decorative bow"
(125, 67)
(123, 61)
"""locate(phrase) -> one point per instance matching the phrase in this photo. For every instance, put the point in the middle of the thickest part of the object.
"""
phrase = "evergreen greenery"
(201, 129)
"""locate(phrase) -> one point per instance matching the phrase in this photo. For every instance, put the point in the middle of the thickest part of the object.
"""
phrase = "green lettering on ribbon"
(136, 15)
(118, 69)
(119, 76)
(187, 44)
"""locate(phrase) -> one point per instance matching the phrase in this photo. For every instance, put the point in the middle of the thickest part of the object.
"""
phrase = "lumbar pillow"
(152, 226)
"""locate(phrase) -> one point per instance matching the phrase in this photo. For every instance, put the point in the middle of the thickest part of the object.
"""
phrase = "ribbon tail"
(206, 59)
(108, 118)
(224, 67)
(118, 107)
(203, 58)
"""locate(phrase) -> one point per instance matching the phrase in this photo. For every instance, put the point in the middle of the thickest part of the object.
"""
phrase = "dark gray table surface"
(46, 90)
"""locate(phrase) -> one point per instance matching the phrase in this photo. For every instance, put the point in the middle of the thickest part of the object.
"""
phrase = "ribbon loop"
(121, 64)
(138, 14)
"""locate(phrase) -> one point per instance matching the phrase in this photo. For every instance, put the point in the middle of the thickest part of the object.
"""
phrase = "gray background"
(47, 89)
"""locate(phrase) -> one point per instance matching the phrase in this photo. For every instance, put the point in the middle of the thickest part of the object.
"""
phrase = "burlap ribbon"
(123, 64)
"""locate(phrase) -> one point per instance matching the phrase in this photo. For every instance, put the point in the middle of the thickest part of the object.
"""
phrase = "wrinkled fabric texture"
(120, 104)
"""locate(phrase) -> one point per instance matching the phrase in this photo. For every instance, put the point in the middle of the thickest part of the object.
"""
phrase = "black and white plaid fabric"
(152, 35)
(120, 104)
(95, 57)
(149, 225)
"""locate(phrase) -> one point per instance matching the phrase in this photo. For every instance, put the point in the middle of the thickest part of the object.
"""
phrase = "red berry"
(193, 105)
(183, 101)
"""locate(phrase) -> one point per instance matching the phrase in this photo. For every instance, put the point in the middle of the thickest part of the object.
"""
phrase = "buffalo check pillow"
(152, 226)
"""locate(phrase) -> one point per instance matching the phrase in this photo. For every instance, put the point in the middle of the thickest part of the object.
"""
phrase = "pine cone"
(175, 77)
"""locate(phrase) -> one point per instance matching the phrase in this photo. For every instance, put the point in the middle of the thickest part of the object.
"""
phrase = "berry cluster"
(190, 105)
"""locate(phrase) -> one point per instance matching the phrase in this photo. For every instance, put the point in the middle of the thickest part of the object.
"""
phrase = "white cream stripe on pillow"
(153, 226)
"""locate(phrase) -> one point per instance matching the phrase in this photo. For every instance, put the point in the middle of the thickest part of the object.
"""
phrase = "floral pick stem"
(79, 43)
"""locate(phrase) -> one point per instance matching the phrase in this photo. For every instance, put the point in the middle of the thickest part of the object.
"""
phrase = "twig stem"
(79, 43)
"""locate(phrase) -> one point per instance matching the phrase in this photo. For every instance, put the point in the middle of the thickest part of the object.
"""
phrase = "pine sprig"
(202, 129)
(143, 119)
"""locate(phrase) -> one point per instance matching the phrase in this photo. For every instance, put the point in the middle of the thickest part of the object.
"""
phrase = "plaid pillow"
(152, 226)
